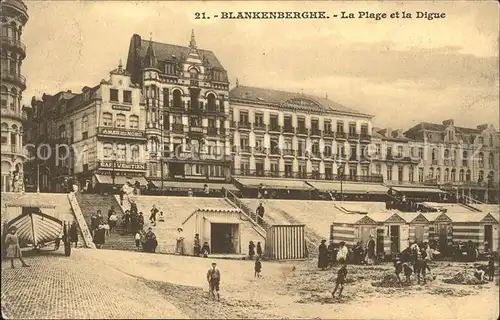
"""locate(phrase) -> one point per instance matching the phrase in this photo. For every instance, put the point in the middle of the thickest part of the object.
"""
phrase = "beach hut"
(392, 231)
(479, 227)
(352, 228)
(418, 226)
(285, 242)
(440, 230)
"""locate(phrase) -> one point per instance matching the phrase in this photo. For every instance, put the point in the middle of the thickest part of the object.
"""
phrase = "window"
(211, 102)
(301, 124)
(14, 102)
(378, 150)
(420, 174)
(352, 129)
(315, 148)
(120, 121)
(491, 140)
(177, 99)
(107, 119)
(315, 125)
(434, 155)
(259, 119)
(389, 152)
(134, 122)
(431, 173)
(273, 121)
(275, 146)
(421, 153)
(389, 172)
(127, 96)
(467, 176)
(113, 95)
(461, 175)
(108, 150)
(243, 117)
(378, 169)
(354, 152)
(412, 152)
(438, 174)
(211, 123)
(340, 150)
(410, 174)
(400, 173)
(481, 140)
(327, 126)
(244, 143)
(450, 135)
(340, 126)
(453, 175)
(85, 127)
(195, 122)
(121, 152)
(481, 160)
(464, 158)
(5, 133)
(275, 168)
(245, 168)
(364, 130)
(491, 162)
(169, 68)
(166, 97)
(135, 152)
(193, 73)
(288, 123)
(328, 151)
(288, 170)
(259, 144)
(446, 175)
(481, 176)
(400, 151)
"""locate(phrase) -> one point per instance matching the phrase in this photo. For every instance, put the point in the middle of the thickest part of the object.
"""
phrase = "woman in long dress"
(370, 251)
(179, 248)
(13, 250)
(322, 255)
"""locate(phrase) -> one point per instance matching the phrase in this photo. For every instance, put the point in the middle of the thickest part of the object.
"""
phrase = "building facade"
(284, 134)
(96, 136)
(463, 160)
(14, 17)
(186, 93)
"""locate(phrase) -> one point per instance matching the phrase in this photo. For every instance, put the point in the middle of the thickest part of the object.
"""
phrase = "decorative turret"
(192, 43)
(151, 61)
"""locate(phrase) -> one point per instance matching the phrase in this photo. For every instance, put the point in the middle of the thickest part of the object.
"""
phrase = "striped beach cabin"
(285, 242)
(392, 232)
(478, 227)
(418, 226)
(352, 228)
(441, 230)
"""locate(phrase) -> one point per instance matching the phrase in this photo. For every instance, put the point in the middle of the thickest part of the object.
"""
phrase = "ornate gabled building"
(285, 134)
(13, 17)
(96, 137)
(463, 160)
(185, 89)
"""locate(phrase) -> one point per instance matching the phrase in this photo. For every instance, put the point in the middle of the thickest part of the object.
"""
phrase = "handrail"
(81, 220)
(236, 202)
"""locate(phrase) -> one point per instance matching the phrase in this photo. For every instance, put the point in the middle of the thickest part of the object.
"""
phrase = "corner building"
(14, 17)
(186, 94)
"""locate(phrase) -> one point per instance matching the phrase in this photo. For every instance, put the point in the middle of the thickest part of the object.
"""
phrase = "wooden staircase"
(234, 201)
(80, 219)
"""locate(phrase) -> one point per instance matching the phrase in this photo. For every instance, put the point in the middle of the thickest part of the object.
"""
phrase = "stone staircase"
(90, 203)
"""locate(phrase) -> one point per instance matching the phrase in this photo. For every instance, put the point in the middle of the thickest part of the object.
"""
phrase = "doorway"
(380, 241)
(394, 233)
(419, 233)
(443, 238)
(488, 238)
(223, 237)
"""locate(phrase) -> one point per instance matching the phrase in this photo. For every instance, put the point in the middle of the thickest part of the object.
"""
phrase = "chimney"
(448, 122)
(400, 133)
(483, 127)
(388, 132)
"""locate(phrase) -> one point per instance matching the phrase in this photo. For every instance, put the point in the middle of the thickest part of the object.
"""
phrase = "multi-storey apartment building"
(96, 136)
(14, 17)
(464, 160)
(187, 106)
(284, 134)
(396, 157)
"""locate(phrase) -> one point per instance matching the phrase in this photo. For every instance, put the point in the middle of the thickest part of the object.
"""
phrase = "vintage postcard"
(250, 159)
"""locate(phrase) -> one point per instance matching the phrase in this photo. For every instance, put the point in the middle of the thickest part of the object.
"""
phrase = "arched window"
(120, 121)
(464, 158)
(134, 122)
(13, 30)
(481, 176)
(446, 154)
(62, 131)
(177, 99)
(438, 174)
(467, 175)
(5, 133)
(121, 152)
(14, 101)
(481, 160)
(107, 119)
(193, 73)
(491, 161)
(453, 175)
(13, 63)
(461, 175)
(431, 173)
(211, 103)
(85, 124)
(446, 175)
(108, 150)
(135, 152)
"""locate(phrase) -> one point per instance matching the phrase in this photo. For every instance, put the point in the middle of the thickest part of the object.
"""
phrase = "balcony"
(194, 83)
(316, 154)
(288, 153)
(365, 138)
(14, 114)
(302, 131)
(259, 151)
(177, 128)
(288, 130)
(121, 133)
(13, 44)
(353, 136)
(177, 106)
(341, 136)
(274, 151)
(274, 128)
(244, 126)
(328, 134)
(259, 127)
(211, 131)
(315, 132)
(244, 149)
(15, 78)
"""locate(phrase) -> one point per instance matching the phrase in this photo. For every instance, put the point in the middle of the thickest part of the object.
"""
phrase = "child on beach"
(258, 267)
(138, 240)
(341, 276)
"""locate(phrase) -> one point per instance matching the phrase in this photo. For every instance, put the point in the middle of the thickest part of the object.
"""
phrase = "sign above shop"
(121, 107)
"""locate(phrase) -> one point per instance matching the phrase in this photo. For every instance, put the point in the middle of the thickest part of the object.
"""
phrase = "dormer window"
(451, 135)
(193, 73)
(113, 95)
(169, 68)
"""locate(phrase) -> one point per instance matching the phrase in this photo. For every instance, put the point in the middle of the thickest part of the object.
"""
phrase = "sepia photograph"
(250, 159)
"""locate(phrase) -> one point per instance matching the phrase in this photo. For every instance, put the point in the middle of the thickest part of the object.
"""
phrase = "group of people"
(129, 189)
(251, 249)
(414, 256)
(200, 250)
(146, 240)
(337, 253)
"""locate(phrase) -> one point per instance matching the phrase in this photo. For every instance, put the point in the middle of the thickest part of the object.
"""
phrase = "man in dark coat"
(322, 255)
(330, 249)
(260, 213)
(73, 233)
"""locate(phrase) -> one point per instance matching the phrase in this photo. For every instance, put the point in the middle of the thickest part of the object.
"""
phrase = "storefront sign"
(121, 133)
(122, 165)
(120, 107)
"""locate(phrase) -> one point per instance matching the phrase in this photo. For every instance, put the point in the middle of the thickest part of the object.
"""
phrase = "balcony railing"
(260, 150)
(14, 77)
(365, 137)
(178, 128)
(244, 125)
(16, 114)
(308, 175)
(328, 134)
(341, 135)
(315, 132)
(196, 129)
(212, 131)
(13, 43)
(259, 126)
(288, 152)
(288, 129)
(353, 136)
(274, 128)
(245, 149)
(302, 131)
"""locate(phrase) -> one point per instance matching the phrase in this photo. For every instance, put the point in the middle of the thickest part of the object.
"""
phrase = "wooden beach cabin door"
(419, 233)
(443, 237)
(394, 234)
(488, 238)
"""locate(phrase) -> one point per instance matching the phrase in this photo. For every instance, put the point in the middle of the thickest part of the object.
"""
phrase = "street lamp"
(38, 177)
(341, 170)
(113, 174)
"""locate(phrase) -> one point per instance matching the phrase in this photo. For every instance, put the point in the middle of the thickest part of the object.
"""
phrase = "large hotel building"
(14, 17)
(170, 116)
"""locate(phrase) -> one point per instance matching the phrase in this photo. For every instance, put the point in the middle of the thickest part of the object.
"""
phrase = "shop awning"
(185, 186)
(417, 190)
(120, 180)
(354, 188)
(222, 219)
(280, 184)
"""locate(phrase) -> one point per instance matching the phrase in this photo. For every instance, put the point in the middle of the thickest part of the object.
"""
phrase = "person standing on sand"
(251, 250)
(341, 276)
(13, 250)
(258, 268)
(213, 278)
(370, 251)
(259, 249)
(322, 256)
(179, 248)
(197, 246)
(342, 253)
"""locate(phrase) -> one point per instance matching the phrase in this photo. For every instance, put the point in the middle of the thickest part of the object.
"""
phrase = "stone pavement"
(70, 287)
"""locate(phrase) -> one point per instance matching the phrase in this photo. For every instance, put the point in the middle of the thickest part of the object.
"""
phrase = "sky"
(402, 71)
